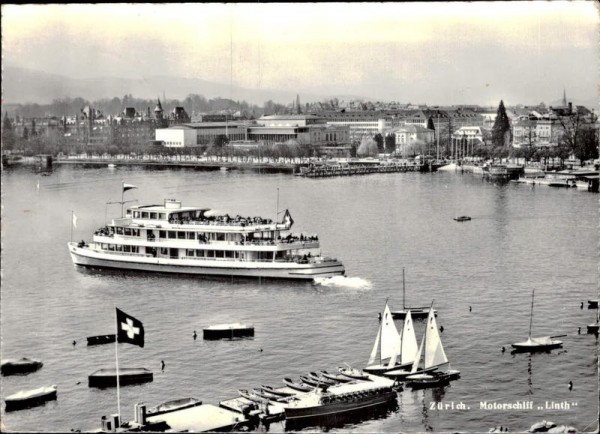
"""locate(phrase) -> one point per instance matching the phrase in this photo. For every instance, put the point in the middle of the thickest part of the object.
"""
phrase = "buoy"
(74, 343)
(195, 335)
(162, 365)
(260, 350)
(503, 349)
(581, 307)
(470, 309)
(441, 329)
(578, 330)
(570, 385)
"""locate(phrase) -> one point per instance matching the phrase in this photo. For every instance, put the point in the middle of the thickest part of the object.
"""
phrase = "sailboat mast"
(531, 316)
(403, 291)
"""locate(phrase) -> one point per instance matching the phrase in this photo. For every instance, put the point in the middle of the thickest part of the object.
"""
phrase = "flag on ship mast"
(287, 219)
(74, 220)
(128, 187)
(129, 329)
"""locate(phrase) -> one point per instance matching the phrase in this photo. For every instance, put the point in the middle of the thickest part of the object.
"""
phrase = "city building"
(195, 134)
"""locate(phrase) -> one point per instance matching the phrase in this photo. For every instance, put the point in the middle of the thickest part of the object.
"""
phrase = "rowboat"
(297, 386)
(20, 366)
(174, 405)
(30, 398)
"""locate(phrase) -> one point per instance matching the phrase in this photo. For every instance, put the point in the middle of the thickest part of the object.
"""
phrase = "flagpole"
(117, 364)
(122, 195)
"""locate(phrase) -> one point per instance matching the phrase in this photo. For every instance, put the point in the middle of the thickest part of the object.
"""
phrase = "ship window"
(162, 234)
(104, 246)
(190, 252)
(181, 235)
(127, 249)
(172, 234)
(135, 249)
(136, 214)
(162, 216)
(164, 251)
(119, 248)
(127, 231)
(210, 253)
(153, 215)
(119, 231)
(219, 254)
(111, 247)
(144, 215)
(220, 236)
(229, 254)
(200, 253)
(191, 235)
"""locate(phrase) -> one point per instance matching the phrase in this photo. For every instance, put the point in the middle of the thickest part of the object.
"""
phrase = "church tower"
(564, 101)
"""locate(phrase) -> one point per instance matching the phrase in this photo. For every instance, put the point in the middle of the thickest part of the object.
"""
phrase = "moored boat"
(592, 304)
(101, 340)
(279, 392)
(401, 348)
(108, 377)
(416, 312)
(173, 405)
(545, 343)
(30, 398)
(462, 218)
(435, 370)
(336, 377)
(297, 386)
(171, 238)
(19, 366)
(342, 398)
(354, 374)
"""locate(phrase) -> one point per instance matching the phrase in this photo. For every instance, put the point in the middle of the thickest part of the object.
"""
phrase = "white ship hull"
(280, 270)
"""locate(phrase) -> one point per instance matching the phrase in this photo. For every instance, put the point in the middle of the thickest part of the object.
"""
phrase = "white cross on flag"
(129, 329)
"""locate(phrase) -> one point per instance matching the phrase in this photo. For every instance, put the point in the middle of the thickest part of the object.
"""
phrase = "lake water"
(520, 239)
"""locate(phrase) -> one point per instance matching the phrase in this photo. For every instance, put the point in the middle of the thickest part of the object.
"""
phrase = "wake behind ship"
(171, 238)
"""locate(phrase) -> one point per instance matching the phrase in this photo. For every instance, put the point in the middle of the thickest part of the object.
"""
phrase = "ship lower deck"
(277, 270)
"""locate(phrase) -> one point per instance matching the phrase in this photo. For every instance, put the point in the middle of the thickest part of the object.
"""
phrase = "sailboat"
(408, 350)
(433, 358)
(417, 312)
(536, 344)
(387, 344)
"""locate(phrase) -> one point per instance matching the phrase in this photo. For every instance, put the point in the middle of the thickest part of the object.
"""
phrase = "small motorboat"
(297, 386)
(252, 396)
(353, 374)
(30, 398)
(174, 405)
(228, 331)
(336, 377)
(20, 366)
(462, 218)
(592, 304)
(321, 379)
(274, 391)
(108, 377)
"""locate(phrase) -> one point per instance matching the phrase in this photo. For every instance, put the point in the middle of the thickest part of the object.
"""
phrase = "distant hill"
(20, 85)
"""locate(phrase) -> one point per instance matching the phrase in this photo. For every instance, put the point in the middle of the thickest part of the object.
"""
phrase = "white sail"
(390, 339)
(409, 341)
(434, 351)
(415, 365)
(373, 355)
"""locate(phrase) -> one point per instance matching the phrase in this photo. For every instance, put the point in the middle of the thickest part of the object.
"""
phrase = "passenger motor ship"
(172, 238)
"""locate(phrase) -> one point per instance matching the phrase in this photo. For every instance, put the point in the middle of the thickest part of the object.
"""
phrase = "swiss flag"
(129, 329)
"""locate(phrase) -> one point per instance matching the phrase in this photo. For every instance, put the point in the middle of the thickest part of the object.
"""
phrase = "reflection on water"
(346, 421)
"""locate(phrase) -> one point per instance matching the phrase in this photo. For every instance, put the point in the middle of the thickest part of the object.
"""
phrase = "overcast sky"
(436, 53)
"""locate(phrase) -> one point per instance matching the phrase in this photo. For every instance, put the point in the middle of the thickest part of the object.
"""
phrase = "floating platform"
(101, 340)
(592, 304)
(108, 377)
(228, 331)
(20, 366)
(30, 398)
(201, 418)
